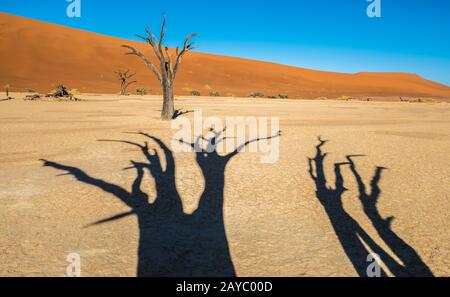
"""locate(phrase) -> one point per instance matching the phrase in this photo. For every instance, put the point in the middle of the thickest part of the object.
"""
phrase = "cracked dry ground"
(274, 222)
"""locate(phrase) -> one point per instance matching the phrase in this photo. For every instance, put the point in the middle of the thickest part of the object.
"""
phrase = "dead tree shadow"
(171, 242)
(354, 239)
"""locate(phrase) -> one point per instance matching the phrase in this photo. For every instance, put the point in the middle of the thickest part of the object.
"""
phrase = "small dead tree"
(168, 65)
(7, 90)
(61, 91)
(124, 77)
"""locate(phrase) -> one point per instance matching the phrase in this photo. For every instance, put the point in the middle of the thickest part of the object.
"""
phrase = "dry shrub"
(195, 93)
(344, 98)
(257, 94)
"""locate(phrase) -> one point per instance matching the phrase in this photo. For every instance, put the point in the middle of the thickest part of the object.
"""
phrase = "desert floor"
(274, 222)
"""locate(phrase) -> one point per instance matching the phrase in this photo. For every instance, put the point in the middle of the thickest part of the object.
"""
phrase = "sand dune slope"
(37, 55)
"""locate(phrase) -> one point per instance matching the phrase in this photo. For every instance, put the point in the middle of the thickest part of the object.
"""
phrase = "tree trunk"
(123, 90)
(168, 101)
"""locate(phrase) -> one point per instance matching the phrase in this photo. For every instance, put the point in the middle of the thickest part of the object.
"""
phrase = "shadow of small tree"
(353, 238)
(171, 242)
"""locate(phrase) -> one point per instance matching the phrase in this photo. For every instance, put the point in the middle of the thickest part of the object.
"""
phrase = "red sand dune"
(38, 55)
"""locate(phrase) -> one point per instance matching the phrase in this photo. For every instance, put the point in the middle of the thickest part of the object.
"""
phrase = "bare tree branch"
(145, 59)
(163, 32)
(186, 47)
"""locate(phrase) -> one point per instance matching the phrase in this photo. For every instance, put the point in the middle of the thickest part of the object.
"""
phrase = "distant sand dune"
(37, 55)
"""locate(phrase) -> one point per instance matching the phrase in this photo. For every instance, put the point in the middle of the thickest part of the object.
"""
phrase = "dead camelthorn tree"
(168, 65)
(124, 78)
(7, 90)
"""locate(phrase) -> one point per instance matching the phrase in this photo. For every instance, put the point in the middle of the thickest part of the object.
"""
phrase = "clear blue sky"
(336, 35)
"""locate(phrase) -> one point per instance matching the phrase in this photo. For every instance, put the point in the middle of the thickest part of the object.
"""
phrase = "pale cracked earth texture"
(274, 223)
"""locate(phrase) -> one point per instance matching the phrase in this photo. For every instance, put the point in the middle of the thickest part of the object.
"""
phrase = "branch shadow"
(171, 242)
(180, 112)
(353, 238)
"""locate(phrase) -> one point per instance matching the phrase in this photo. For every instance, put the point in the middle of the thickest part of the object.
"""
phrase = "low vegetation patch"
(344, 98)
(283, 96)
(257, 95)
(141, 91)
(32, 97)
(418, 100)
(195, 93)
(214, 94)
(422, 100)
